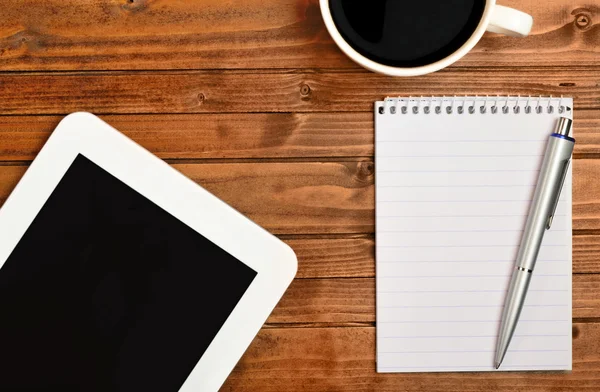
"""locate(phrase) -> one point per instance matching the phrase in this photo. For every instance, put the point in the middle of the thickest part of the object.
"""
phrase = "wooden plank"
(203, 136)
(317, 301)
(586, 296)
(343, 359)
(270, 91)
(586, 254)
(586, 211)
(209, 34)
(324, 198)
(348, 301)
(587, 131)
(245, 135)
(347, 257)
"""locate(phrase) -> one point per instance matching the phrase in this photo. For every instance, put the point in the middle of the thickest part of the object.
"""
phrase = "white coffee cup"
(495, 18)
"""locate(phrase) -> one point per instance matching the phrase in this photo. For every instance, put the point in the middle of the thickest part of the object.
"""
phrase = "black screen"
(106, 292)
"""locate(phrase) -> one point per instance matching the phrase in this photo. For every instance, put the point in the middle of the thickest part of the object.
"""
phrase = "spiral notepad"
(454, 180)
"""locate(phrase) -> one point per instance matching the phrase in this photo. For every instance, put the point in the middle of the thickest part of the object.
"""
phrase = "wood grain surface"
(325, 197)
(274, 91)
(253, 100)
(245, 135)
(216, 34)
(342, 359)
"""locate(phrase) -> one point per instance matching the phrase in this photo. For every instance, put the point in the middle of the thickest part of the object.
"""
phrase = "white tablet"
(117, 273)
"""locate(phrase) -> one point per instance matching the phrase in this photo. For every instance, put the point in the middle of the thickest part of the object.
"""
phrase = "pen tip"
(497, 365)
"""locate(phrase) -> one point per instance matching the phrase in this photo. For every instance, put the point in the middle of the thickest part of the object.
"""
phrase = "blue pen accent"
(558, 135)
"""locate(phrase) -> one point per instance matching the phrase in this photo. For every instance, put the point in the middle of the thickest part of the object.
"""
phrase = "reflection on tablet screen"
(107, 292)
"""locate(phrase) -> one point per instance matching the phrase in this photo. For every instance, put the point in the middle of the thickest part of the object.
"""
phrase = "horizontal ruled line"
(459, 171)
(468, 291)
(457, 186)
(463, 306)
(532, 366)
(462, 246)
(461, 276)
(466, 321)
(468, 336)
(463, 141)
(457, 231)
(467, 351)
(461, 261)
(462, 201)
(460, 156)
(454, 216)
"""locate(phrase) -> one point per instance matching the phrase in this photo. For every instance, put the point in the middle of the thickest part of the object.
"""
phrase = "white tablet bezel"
(274, 261)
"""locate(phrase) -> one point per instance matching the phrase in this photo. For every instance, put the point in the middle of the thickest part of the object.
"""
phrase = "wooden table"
(253, 100)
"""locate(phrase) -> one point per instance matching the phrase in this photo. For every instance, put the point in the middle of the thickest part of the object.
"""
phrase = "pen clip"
(562, 181)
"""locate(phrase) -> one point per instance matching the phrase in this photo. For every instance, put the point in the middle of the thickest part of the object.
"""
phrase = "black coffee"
(406, 33)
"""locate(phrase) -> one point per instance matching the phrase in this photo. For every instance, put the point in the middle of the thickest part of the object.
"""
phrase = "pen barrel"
(517, 291)
(547, 191)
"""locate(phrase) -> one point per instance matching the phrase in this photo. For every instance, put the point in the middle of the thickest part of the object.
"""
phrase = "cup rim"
(405, 71)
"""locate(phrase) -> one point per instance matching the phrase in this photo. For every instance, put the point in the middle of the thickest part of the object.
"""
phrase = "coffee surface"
(406, 33)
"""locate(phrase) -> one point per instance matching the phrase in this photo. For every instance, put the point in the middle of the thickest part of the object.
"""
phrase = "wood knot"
(575, 332)
(135, 5)
(305, 90)
(582, 21)
(583, 18)
(200, 98)
(365, 170)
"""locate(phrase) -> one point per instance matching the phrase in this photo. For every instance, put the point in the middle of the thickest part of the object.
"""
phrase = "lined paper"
(452, 196)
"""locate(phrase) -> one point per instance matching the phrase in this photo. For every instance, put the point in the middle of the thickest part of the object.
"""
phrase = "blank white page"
(452, 195)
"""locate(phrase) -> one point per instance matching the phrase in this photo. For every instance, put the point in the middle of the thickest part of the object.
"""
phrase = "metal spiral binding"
(469, 105)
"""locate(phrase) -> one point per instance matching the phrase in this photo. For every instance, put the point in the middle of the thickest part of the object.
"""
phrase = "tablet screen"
(106, 292)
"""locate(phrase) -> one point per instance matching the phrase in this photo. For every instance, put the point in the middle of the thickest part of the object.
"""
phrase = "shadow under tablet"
(107, 292)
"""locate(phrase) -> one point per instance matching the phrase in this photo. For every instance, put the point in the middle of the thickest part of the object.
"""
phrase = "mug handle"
(509, 21)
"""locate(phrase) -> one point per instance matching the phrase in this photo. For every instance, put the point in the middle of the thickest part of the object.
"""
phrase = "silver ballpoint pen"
(545, 199)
